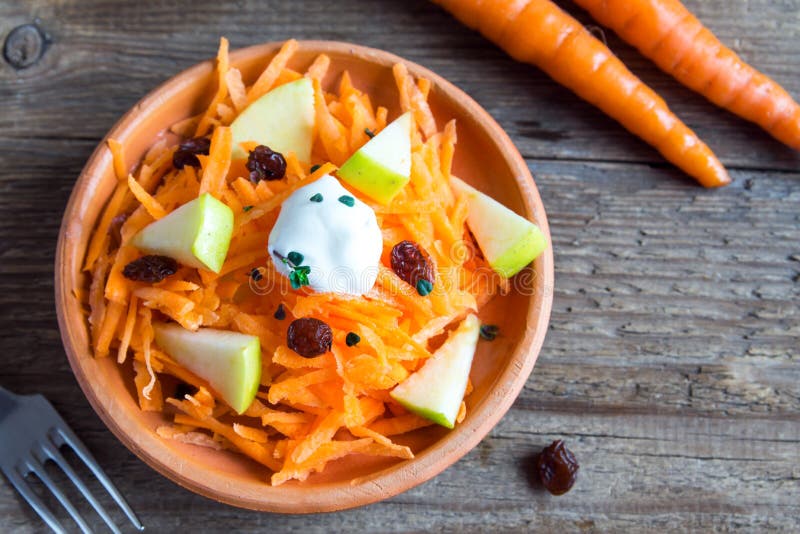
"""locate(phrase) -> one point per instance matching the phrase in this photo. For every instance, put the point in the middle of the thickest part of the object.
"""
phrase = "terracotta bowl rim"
(403, 475)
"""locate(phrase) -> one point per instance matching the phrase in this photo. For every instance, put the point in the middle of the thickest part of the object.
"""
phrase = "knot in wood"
(24, 46)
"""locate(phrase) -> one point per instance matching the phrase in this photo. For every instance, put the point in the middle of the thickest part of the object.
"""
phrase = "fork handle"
(7, 402)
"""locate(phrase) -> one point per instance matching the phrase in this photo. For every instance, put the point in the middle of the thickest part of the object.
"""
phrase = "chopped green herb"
(489, 331)
(247, 208)
(256, 275)
(352, 339)
(299, 273)
(280, 313)
(315, 168)
(369, 132)
(347, 200)
(295, 258)
(299, 277)
(316, 198)
(424, 287)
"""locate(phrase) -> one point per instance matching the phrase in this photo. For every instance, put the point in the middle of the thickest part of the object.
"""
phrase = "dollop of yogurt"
(336, 235)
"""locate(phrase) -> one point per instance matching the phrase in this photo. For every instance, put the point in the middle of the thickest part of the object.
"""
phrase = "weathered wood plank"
(671, 363)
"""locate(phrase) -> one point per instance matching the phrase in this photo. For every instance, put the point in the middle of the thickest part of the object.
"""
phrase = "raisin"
(557, 468)
(309, 337)
(187, 152)
(411, 263)
(280, 313)
(150, 268)
(265, 164)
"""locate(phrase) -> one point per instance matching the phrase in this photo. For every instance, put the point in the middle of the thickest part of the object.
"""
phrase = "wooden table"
(671, 366)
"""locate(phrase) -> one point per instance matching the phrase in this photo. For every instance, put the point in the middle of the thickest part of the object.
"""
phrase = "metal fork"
(31, 433)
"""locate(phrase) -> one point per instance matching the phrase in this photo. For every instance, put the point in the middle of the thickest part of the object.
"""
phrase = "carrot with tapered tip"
(666, 32)
(538, 32)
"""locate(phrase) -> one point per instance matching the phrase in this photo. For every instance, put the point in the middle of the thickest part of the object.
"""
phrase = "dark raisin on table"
(309, 337)
(265, 164)
(557, 468)
(412, 263)
(187, 152)
(151, 268)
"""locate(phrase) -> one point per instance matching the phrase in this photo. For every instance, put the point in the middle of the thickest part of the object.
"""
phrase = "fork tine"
(35, 465)
(21, 485)
(63, 435)
(52, 453)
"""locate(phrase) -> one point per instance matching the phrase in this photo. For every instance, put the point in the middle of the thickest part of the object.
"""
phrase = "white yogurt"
(341, 244)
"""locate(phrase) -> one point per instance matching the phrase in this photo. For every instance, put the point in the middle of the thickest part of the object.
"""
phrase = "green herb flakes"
(424, 287)
(352, 339)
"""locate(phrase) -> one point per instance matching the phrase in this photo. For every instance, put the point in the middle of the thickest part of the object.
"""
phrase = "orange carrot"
(153, 207)
(267, 79)
(118, 155)
(666, 32)
(540, 33)
(218, 162)
(222, 89)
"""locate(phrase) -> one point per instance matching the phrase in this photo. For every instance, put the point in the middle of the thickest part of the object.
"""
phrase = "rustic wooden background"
(671, 366)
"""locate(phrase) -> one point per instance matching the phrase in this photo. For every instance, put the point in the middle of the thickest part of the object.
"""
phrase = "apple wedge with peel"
(436, 390)
(229, 361)
(382, 167)
(282, 119)
(197, 234)
(508, 241)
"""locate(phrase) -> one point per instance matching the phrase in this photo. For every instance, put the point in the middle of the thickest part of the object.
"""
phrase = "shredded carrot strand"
(207, 119)
(118, 157)
(218, 162)
(153, 207)
(267, 79)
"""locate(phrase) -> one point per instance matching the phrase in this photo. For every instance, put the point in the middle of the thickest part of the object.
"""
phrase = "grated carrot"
(218, 162)
(267, 79)
(153, 207)
(320, 408)
(207, 119)
(118, 157)
(412, 99)
(319, 67)
(113, 314)
(130, 322)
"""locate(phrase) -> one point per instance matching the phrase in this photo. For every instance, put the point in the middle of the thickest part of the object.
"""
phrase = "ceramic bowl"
(485, 157)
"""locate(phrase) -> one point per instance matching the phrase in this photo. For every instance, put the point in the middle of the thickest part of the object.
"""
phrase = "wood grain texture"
(671, 367)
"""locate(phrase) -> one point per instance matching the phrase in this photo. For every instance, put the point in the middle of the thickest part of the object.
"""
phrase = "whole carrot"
(538, 32)
(666, 32)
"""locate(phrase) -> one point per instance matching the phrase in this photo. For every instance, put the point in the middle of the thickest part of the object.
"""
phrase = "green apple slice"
(229, 361)
(508, 241)
(282, 119)
(436, 390)
(382, 167)
(197, 234)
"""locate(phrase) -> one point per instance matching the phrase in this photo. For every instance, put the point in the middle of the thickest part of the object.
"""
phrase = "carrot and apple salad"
(328, 360)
